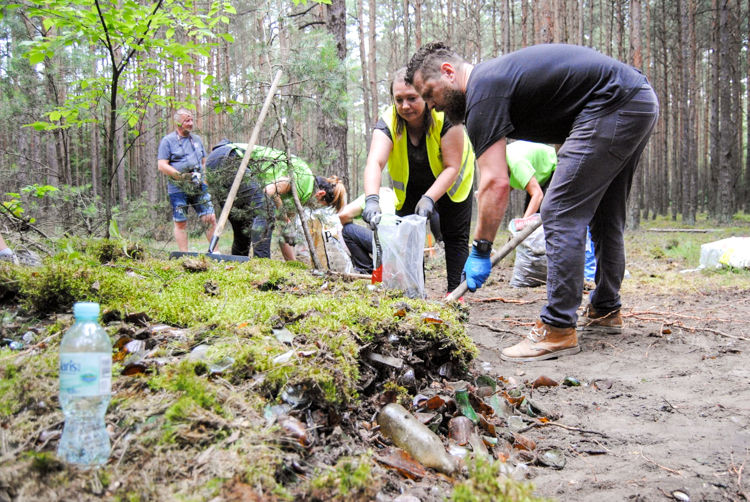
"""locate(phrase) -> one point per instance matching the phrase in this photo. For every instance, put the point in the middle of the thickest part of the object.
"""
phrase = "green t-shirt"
(387, 201)
(268, 165)
(527, 160)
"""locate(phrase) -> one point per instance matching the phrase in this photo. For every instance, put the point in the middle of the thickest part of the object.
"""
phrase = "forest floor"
(665, 406)
(661, 413)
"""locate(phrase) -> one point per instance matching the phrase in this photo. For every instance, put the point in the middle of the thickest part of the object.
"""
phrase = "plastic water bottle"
(85, 388)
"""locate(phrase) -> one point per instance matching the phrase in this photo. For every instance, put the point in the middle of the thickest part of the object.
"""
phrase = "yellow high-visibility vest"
(398, 162)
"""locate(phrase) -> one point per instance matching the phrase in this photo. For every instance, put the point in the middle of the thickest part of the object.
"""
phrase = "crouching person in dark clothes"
(252, 213)
(266, 195)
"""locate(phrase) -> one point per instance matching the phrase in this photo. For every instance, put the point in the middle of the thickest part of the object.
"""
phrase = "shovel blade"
(377, 275)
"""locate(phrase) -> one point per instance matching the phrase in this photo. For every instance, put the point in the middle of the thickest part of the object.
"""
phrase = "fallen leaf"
(522, 442)
(403, 463)
(543, 381)
(136, 369)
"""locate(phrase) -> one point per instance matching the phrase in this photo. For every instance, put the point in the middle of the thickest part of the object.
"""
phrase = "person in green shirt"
(267, 179)
(531, 166)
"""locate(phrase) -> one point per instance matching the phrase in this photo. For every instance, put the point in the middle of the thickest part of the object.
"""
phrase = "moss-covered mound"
(206, 363)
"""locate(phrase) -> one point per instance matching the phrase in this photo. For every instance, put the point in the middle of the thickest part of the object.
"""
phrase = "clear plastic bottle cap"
(86, 310)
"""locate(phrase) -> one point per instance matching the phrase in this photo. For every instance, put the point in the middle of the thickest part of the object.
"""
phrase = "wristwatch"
(482, 246)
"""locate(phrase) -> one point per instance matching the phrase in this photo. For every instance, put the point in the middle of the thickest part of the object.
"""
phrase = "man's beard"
(455, 105)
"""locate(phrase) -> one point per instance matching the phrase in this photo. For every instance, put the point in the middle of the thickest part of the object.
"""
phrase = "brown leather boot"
(609, 323)
(543, 342)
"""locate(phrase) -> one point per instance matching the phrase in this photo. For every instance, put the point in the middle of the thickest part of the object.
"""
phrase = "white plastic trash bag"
(732, 252)
(402, 245)
(530, 268)
(326, 230)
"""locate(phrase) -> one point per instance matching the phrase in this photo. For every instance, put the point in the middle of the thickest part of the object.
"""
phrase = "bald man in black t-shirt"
(601, 112)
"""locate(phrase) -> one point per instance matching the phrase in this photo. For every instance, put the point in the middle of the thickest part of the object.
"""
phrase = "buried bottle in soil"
(408, 433)
(85, 388)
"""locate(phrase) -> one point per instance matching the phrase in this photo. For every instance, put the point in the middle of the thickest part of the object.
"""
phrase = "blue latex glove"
(476, 270)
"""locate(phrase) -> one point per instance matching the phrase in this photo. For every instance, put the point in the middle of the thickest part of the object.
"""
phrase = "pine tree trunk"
(373, 60)
(713, 181)
(547, 24)
(507, 30)
(524, 23)
(736, 115)
(746, 188)
(636, 192)
(407, 33)
(417, 25)
(120, 162)
(369, 124)
(52, 178)
(495, 15)
(333, 130)
(96, 173)
(689, 161)
(724, 192)
(151, 145)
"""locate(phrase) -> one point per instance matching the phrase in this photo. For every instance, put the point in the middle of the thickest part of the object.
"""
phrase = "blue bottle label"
(86, 374)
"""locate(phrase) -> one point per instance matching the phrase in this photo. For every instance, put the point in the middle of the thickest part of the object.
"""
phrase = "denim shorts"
(180, 201)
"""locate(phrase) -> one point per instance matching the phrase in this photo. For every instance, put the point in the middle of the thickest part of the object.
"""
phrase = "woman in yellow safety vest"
(431, 166)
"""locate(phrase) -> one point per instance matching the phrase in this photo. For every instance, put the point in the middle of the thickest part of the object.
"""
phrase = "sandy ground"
(665, 405)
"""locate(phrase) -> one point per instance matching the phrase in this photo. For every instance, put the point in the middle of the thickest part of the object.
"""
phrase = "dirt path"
(670, 409)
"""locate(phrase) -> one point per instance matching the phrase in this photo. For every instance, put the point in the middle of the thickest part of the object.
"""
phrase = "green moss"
(657, 253)
(110, 250)
(10, 281)
(331, 323)
(181, 410)
(401, 393)
(56, 286)
(194, 389)
(44, 463)
(486, 484)
(350, 479)
(25, 384)
(8, 386)
(131, 497)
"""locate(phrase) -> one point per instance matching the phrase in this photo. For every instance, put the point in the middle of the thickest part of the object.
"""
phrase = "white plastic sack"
(530, 268)
(337, 254)
(402, 245)
(329, 232)
(732, 252)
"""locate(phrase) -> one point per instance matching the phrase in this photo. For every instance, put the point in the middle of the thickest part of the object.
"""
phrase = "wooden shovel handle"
(504, 251)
